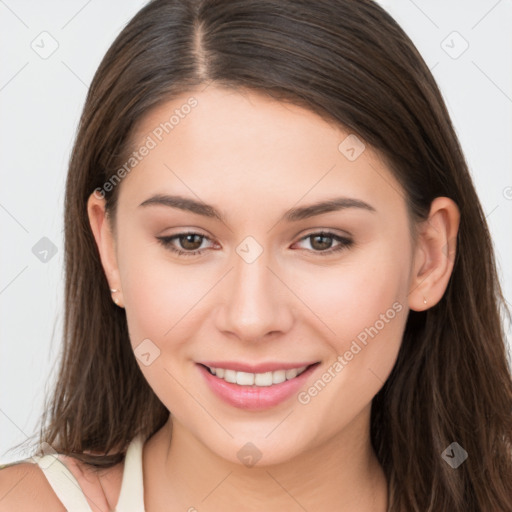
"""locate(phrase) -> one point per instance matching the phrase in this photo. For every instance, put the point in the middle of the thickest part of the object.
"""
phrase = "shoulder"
(24, 488)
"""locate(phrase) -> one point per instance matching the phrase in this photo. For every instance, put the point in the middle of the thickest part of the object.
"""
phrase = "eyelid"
(167, 240)
(345, 241)
(330, 231)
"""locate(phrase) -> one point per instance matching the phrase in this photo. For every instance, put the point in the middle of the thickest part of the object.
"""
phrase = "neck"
(342, 474)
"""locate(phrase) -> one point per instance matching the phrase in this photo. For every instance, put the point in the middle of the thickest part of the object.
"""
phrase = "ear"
(105, 240)
(434, 254)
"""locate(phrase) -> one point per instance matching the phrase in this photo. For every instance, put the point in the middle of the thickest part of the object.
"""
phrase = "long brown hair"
(352, 64)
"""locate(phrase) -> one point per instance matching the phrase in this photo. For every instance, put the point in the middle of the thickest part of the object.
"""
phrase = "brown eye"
(322, 243)
(189, 243)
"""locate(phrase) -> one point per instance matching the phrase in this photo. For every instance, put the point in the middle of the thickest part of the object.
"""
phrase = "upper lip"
(255, 368)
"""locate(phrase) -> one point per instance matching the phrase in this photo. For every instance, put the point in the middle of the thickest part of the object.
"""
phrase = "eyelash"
(166, 241)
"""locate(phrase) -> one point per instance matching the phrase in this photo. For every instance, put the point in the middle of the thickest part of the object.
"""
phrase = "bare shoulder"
(24, 488)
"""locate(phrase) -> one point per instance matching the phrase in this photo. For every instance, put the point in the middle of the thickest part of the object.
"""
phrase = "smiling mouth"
(264, 379)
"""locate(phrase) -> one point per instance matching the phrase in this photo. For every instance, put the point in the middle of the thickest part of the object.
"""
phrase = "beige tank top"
(67, 488)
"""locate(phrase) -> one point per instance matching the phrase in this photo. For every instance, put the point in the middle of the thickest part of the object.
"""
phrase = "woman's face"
(266, 286)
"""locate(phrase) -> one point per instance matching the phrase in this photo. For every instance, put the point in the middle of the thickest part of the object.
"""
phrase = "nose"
(256, 301)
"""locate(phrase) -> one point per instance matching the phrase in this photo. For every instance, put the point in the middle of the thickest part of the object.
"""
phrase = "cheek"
(358, 290)
(156, 297)
(159, 297)
(362, 306)
(151, 293)
(163, 299)
(365, 306)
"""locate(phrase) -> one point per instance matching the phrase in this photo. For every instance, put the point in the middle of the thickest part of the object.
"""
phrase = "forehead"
(242, 148)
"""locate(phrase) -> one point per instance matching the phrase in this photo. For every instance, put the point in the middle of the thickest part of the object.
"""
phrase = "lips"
(253, 397)
(256, 368)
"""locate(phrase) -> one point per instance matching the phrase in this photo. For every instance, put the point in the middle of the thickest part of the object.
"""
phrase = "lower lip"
(255, 398)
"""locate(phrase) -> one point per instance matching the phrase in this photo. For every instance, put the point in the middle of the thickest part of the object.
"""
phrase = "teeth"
(257, 379)
(290, 374)
(244, 379)
(230, 376)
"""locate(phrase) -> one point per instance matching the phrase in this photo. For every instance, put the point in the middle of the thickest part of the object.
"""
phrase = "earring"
(116, 300)
(424, 300)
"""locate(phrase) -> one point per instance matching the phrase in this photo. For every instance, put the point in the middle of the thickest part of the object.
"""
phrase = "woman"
(281, 291)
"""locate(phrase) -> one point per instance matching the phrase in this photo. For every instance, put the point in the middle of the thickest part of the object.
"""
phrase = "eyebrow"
(292, 215)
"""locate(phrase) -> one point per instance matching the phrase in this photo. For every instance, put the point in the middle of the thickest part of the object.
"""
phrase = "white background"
(40, 104)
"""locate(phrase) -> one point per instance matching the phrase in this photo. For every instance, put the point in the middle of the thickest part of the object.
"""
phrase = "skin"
(253, 158)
